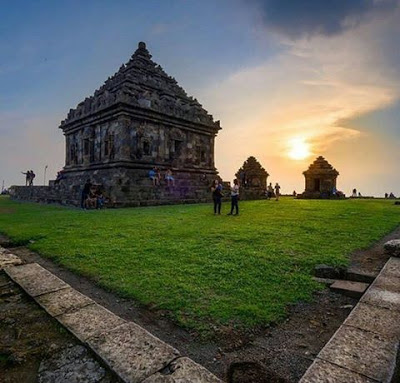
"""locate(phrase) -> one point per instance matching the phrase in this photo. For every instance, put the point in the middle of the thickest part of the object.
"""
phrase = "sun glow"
(299, 149)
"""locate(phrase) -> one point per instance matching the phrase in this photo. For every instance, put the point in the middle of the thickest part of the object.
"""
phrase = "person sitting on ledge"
(91, 200)
(153, 176)
(169, 178)
(101, 200)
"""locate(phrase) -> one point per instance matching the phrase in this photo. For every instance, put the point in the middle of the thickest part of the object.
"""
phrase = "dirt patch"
(35, 348)
(280, 353)
(373, 259)
(7, 210)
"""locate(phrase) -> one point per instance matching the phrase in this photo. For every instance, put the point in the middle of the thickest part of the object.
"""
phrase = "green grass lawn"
(205, 269)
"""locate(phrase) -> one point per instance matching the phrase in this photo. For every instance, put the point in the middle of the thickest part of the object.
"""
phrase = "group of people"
(390, 195)
(273, 191)
(155, 177)
(29, 177)
(92, 197)
(217, 195)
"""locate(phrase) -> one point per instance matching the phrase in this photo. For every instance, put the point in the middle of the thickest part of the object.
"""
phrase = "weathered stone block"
(324, 372)
(392, 268)
(34, 279)
(132, 352)
(388, 282)
(184, 370)
(378, 320)
(90, 321)
(8, 259)
(349, 288)
(382, 298)
(373, 356)
(63, 301)
(392, 248)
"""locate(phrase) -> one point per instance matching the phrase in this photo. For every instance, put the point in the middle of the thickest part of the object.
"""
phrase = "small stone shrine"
(320, 180)
(253, 179)
(138, 119)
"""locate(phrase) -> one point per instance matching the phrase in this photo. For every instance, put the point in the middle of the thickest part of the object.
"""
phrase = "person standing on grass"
(216, 189)
(235, 197)
(270, 191)
(277, 191)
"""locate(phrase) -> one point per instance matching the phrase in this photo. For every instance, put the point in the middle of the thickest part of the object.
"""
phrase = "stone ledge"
(363, 352)
(90, 321)
(34, 279)
(184, 370)
(129, 350)
(325, 372)
(63, 301)
(392, 247)
(133, 352)
(365, 347)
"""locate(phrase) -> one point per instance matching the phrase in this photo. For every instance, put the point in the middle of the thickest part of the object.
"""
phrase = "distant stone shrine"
(253, 179)
(320, 180)
(139, 119)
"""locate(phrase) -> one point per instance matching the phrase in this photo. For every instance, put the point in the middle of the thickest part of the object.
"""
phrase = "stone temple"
(253, 179)
(139, 118)
(320, 180)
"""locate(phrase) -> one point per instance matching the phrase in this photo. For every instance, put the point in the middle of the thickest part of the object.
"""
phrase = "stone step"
(357, 275)
(349, 288)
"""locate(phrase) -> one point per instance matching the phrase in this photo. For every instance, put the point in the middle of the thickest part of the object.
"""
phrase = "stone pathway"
(365, 348)
(127, 349)
(34, 348)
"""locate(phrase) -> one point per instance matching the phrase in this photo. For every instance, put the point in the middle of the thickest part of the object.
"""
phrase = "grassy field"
(206, 270)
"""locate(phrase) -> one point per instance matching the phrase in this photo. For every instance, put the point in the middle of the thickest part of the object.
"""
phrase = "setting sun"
(299, 149)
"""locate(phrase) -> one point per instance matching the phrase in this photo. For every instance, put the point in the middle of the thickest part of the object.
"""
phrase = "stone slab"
(183, 370)
(324, 372)
(378, 320)
(382, 298)
(363, 352)
(349, 288)
(34, 279)
(90, 321)
(358, 275)
(392, 247)
(8, 259)
(63, 301)
(387, 282)
(132, 352)
(392, 268)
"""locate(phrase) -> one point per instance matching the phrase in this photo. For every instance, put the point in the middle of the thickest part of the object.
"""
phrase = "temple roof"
(252, 167)
(321, 166)
(144, 84)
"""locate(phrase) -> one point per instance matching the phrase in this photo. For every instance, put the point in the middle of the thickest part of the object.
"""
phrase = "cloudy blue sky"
(289, 79)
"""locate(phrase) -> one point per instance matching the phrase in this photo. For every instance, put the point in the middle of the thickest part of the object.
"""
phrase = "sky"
(288, 79)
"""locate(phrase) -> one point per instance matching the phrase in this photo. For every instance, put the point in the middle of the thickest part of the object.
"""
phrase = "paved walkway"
(365, 347)
(130, 351)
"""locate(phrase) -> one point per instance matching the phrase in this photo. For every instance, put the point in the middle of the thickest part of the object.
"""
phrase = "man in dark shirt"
(85, 193)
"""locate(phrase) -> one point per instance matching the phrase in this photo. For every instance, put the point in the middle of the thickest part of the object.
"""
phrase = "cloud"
(308, 90)
(299, 18)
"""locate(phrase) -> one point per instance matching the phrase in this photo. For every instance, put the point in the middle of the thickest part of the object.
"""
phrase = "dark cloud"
(298, 18)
